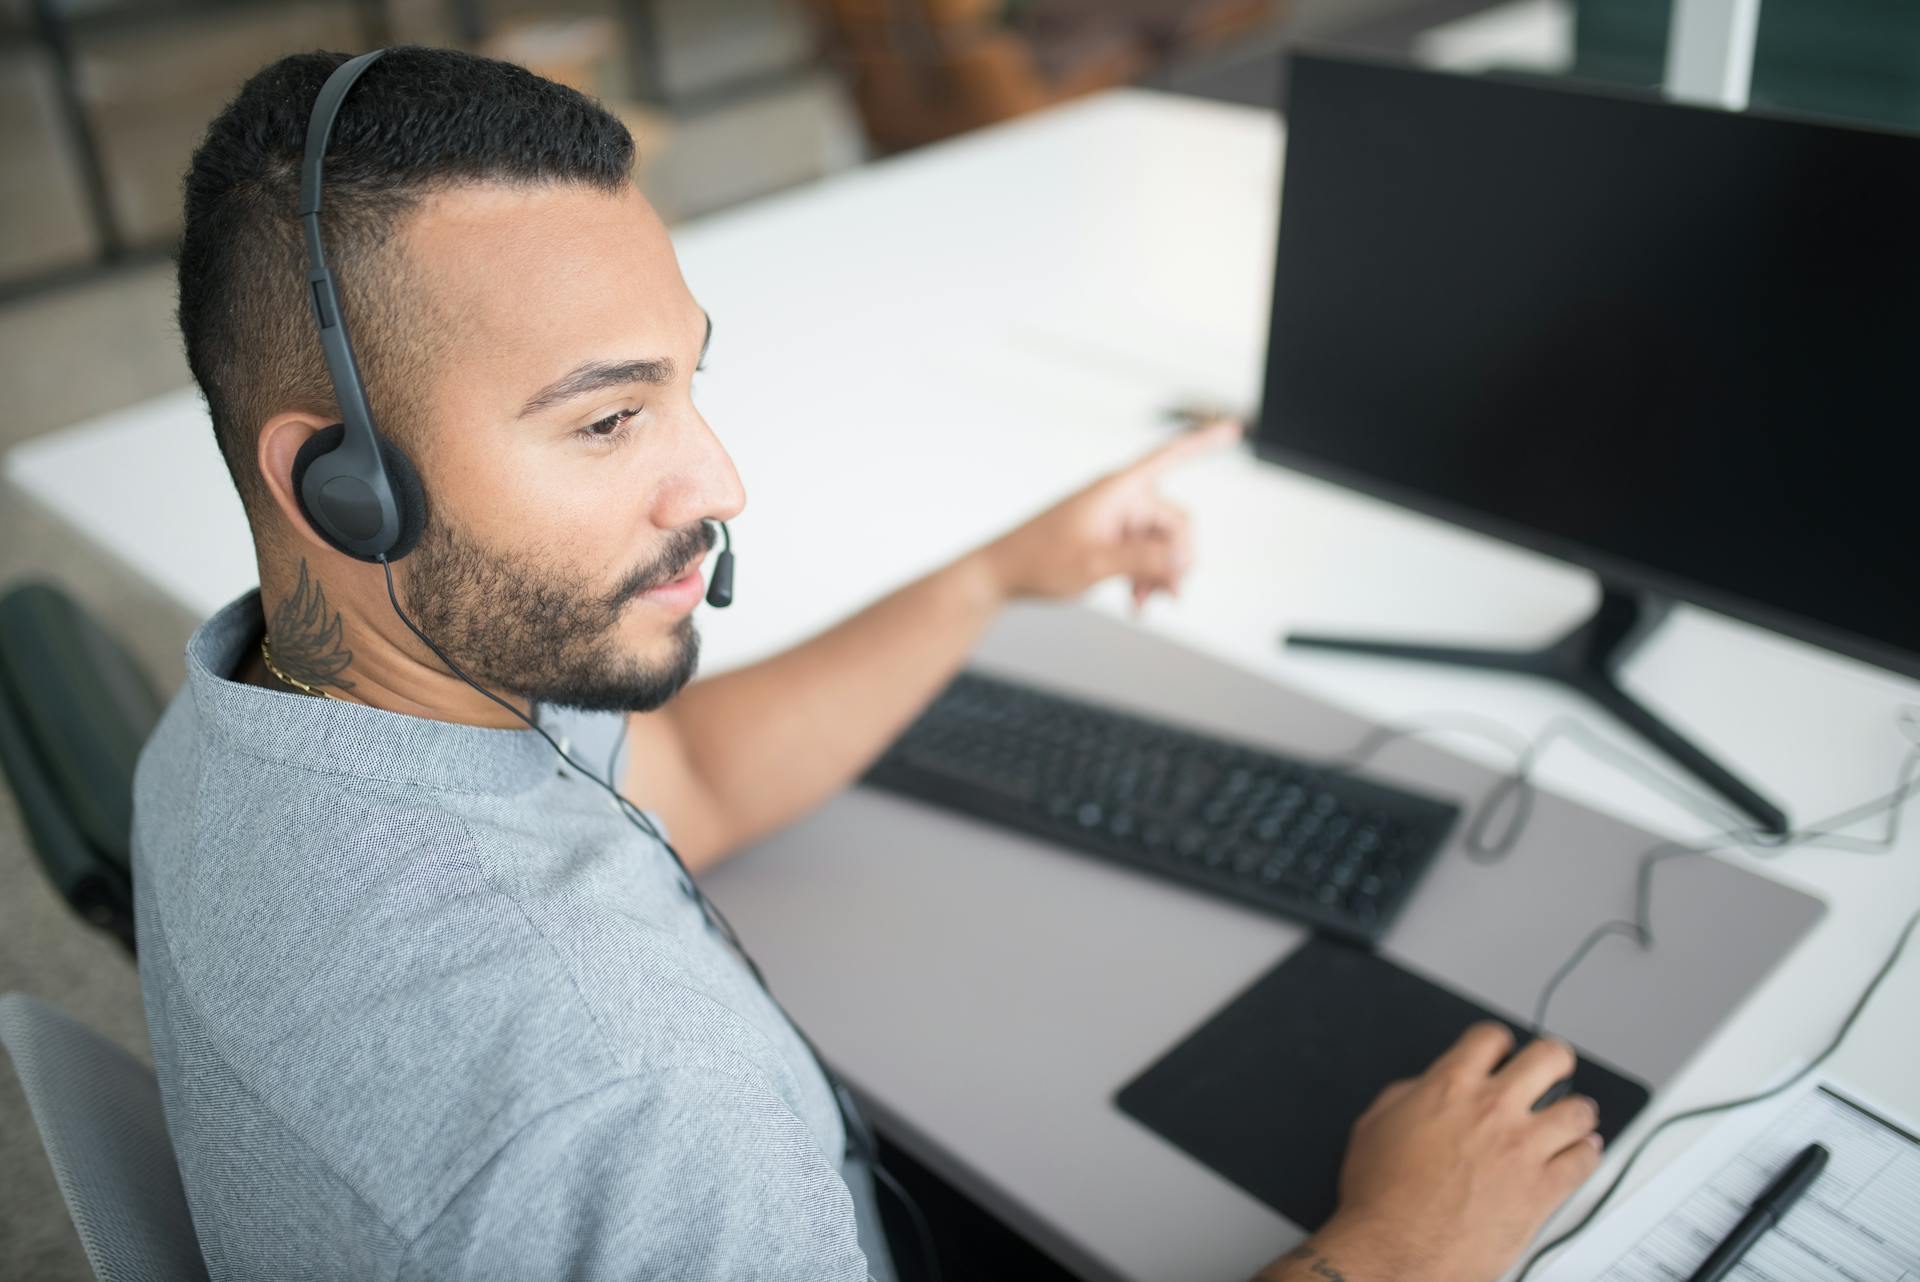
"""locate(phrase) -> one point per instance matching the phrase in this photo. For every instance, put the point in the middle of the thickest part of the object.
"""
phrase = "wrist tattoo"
(1318, 1265)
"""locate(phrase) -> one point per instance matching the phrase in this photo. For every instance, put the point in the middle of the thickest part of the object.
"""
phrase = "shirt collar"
(337, 737)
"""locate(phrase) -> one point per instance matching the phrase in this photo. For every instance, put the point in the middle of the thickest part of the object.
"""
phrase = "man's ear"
(280, 440)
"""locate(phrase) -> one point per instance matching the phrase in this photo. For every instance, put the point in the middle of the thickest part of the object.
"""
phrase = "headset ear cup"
(321, 442)
(409, 498)
(409, 495)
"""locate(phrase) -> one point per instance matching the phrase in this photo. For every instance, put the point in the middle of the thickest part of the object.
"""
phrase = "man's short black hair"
(418, 121)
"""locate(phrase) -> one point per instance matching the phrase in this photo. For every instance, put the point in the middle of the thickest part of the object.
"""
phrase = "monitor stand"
(1587, 659)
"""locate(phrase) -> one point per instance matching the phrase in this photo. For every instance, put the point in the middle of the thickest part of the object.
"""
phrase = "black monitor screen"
(1680, 346)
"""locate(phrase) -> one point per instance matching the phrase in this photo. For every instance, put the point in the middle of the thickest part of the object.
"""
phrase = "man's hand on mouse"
(1120, 524)
(1450, 1174)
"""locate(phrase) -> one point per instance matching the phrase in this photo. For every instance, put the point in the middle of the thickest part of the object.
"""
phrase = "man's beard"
(540, 635)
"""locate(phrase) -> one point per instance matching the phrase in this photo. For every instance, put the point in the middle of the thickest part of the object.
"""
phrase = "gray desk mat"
(987, 993)
(1492, 930)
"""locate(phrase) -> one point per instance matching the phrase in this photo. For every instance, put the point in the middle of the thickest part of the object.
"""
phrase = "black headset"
(363, 495)
(358, 489)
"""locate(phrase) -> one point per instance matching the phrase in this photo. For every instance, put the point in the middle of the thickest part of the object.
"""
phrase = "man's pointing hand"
(1120, 524)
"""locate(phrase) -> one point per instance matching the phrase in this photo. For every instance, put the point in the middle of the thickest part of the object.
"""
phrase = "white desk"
(911, 357)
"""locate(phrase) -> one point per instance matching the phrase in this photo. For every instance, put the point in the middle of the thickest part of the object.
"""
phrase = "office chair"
(74, 711)
(98, 1110)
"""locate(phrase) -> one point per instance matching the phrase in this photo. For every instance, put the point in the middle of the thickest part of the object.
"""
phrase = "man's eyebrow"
(595, 375)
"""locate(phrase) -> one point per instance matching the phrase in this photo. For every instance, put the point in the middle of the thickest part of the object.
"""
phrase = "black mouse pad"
(1266, 1091)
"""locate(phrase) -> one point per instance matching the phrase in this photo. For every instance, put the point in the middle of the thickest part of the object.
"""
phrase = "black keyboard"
(1320, 846)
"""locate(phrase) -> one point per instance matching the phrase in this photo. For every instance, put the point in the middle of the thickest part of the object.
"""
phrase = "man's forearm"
(775, 739)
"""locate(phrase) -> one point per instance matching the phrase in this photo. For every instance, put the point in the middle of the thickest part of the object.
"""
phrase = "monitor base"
(1586, 659)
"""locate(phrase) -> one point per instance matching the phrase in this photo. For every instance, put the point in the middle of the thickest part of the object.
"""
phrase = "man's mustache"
(686, 547)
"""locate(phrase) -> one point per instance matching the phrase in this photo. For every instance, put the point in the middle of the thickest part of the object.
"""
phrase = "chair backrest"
(98, 1110)
(74, 712)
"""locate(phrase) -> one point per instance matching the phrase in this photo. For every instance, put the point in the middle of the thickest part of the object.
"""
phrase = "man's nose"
(708, 486)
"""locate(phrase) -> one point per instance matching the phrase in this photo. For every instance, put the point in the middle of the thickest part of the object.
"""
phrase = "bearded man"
(424, 1003)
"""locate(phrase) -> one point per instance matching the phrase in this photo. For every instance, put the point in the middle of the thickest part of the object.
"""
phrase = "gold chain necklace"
(274, 668)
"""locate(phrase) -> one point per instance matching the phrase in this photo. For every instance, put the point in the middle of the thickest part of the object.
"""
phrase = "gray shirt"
(424, 1005)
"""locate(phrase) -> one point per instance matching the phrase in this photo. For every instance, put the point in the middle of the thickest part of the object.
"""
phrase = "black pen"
(1767, 1210)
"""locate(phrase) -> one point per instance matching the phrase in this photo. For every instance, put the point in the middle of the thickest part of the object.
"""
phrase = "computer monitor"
(1675, 345)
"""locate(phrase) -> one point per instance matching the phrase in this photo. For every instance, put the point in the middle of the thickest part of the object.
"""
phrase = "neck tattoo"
(306, 633)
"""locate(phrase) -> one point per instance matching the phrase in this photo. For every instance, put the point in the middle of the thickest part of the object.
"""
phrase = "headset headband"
(359, 449)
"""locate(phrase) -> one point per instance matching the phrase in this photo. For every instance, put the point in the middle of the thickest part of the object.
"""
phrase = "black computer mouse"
(1554, 1093)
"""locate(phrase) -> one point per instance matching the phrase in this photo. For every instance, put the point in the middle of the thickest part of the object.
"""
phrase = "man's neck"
(320, 640)
(253, 671)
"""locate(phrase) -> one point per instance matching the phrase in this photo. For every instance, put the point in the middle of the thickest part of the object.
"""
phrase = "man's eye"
(611, 428)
